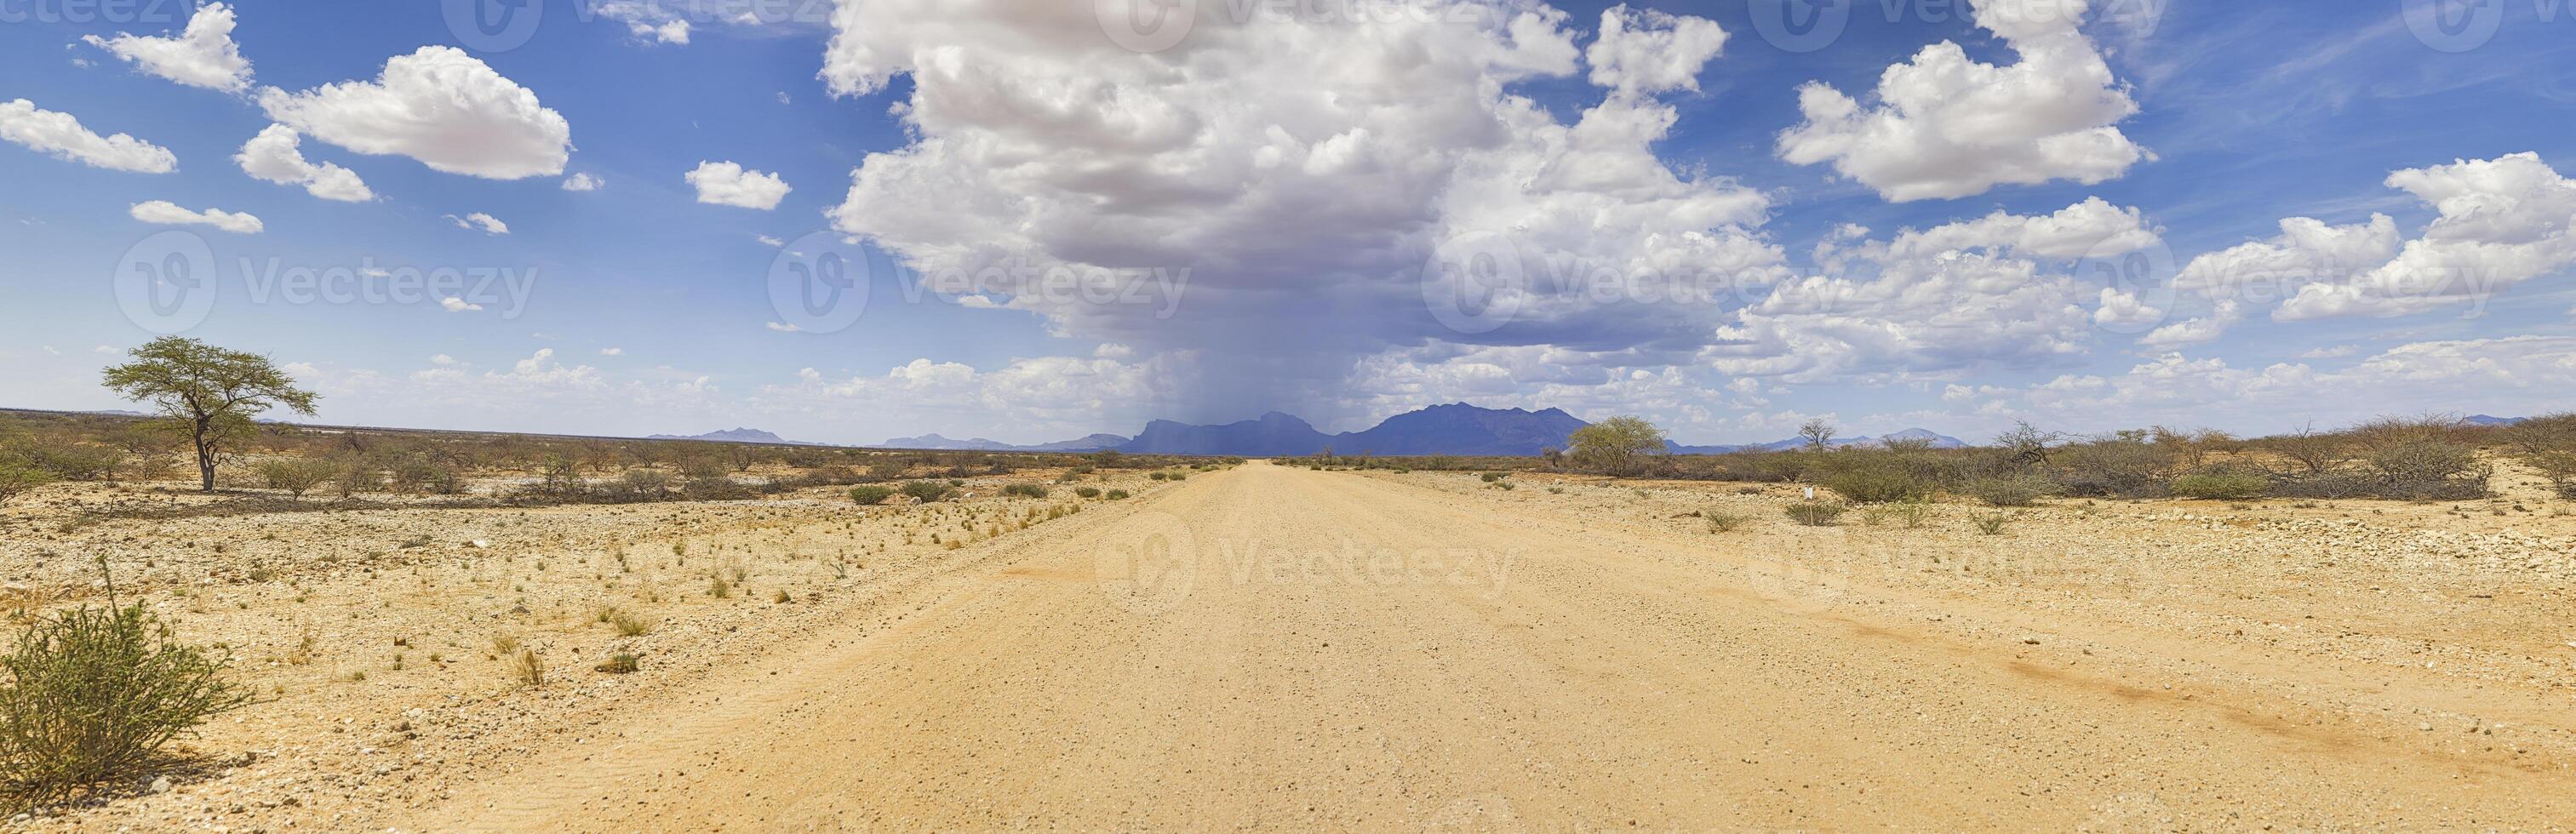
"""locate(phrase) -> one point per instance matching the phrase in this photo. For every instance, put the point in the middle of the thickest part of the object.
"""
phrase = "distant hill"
(1454, 429)
(736, 436)
(1269, 435)
(1462, 429)
(2484, 420)
(1939, 441)
(1091, 443)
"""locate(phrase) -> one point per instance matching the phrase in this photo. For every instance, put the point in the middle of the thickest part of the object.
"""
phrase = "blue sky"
(970, 140)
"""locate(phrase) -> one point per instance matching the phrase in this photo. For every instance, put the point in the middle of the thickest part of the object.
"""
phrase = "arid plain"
(1267, 645)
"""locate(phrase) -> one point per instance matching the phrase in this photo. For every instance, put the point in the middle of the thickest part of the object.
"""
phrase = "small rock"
(160, 784)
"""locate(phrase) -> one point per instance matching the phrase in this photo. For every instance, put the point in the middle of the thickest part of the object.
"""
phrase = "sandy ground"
(1280, 648)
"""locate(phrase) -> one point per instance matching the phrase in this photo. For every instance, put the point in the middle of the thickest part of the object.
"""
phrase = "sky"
(845, 222)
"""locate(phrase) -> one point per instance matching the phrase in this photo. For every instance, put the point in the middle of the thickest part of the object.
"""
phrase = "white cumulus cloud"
(479, 221)
(1647, 51)
(202, 56)
(1946, 126)
(729, 184)
(2500, 222)
(582, 182)
(646, 21)
(170, 214)
(62, 136)
(276, 155)
(440, 106)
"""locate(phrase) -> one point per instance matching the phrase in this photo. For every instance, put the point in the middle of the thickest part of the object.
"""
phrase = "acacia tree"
(1819, 433)
(1617, 444)
(207, 393)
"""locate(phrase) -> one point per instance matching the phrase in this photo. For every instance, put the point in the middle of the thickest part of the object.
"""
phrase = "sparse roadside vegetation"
(1724, 521)
(1816, 513)
(94, 694)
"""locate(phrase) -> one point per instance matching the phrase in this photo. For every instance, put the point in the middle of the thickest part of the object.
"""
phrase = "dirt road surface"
(1277, 648)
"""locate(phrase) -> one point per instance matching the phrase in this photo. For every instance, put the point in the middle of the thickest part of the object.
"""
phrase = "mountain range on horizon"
(1453, 429)
(738, 435)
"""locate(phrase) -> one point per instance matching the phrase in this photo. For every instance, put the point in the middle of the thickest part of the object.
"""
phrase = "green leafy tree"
(207, 393)
(1618, 444)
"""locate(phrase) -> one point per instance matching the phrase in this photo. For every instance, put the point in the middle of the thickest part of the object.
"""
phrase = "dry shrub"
(527, 669)
(18, 479)
(1816, 513)
(296, 476)
(95, 693)
(1877, 482)
(2119, 465)
(1722, 521)
(2221, 485)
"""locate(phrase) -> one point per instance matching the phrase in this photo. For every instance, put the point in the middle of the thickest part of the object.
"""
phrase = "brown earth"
(1268, 647)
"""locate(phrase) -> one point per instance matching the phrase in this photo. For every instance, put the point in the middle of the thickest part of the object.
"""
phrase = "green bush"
(78, 461)
(2011, 490)
(642, 485)
(927, 491)
(1024, 490)
(296, 476)
(1816, 513)
(1491, 477)
(1877, 484)
(2220, 485)
(871, 494)
(1990, 525)
(1117, 494)
(16, 479)
(94, 694)
(1087, 492)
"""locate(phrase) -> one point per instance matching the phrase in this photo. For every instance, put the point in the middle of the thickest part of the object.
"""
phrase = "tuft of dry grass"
(527, 669)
